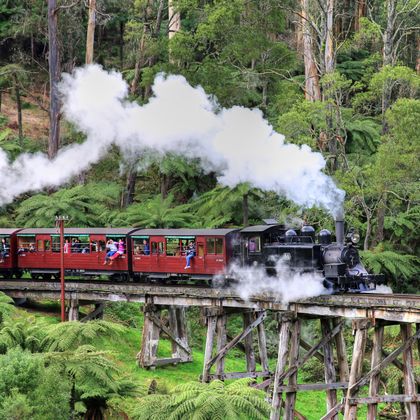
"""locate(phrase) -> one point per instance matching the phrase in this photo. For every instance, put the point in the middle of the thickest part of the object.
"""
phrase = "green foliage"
(195, 400)
(6, 307)
(20, 371)
(86, 205)
(16, 406)
(363, 136)
(155, 212)
(70, 335)
(25, 332)
(396, 266)
(224, 206)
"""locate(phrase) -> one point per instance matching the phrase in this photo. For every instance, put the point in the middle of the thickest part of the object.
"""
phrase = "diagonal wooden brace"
(168, 332)
(385, 362)
(236, 340)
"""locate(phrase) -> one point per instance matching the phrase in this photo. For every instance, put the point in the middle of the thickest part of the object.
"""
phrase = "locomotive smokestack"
(339, 228)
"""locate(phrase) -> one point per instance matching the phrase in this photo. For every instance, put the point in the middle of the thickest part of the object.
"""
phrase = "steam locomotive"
(159, 254)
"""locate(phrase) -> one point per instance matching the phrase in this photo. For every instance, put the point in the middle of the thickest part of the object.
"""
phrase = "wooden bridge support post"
(409, 382)
(73, 314)
(340, 345)
(150, 337)
(285, 323)
(211, 320)
(221, 342)
(361, 325)
(248, 319)
(178, 326)
(289, 407)
(262, 348)
(378, 340)
(329, 368)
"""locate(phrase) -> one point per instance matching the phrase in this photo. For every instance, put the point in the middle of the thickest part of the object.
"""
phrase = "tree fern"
(198, 401)
(70, 335)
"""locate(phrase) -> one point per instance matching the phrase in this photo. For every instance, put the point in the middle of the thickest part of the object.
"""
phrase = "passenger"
(252, 247)
(66, 247)
(190, 253)
(3, 250)
(120, 251)
(32, 247)
(93, 246)
(146, 249)
(78, 246)
(110, 245)
(137, 250)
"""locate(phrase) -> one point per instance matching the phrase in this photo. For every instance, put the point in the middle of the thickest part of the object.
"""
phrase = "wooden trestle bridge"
(342, 381)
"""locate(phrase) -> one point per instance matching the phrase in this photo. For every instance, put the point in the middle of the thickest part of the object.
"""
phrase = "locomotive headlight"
(354, 237)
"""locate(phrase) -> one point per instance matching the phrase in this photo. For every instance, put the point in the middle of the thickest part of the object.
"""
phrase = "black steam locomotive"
(303, 251)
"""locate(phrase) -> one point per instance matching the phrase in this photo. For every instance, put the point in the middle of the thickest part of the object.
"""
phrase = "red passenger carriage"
(84, 252)
(160, 253)
(8, 263)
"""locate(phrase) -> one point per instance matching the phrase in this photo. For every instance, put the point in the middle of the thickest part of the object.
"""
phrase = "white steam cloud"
(286, 285)
(237, 142)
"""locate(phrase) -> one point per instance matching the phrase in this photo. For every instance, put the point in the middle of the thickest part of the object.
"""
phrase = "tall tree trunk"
(245, 210)
(329, 38)
(90, 36)
(360, 11)
(19, 109)
(388, 54)
(130, 188)
(312, 89)
(139, 63)
(164, 185)
(380, 222)
(174, 17)
(418, 56)
(54, 71)
(121, 45)
(174, 25)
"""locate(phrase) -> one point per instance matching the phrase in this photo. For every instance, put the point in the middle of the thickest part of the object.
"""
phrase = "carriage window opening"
(141, 246)
(40, 245)
(200, 250)
(254, 244)
(26, 244)
(93, 246)
(55, 243)
(157, 248)
(175, 247)
(214, 246)
(219, 245)
(211, 246)
(6, 246)
(47, 245)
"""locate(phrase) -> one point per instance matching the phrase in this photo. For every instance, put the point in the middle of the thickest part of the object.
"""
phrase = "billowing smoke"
(237, 142)
(286, 285)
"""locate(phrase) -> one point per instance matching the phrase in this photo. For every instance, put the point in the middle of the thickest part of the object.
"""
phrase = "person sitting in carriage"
(189, 254)
(120, 251)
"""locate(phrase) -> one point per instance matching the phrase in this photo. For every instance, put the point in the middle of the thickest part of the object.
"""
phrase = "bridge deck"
(400, 308)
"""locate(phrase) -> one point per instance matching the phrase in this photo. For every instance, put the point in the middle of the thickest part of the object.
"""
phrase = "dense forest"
(341, 76)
